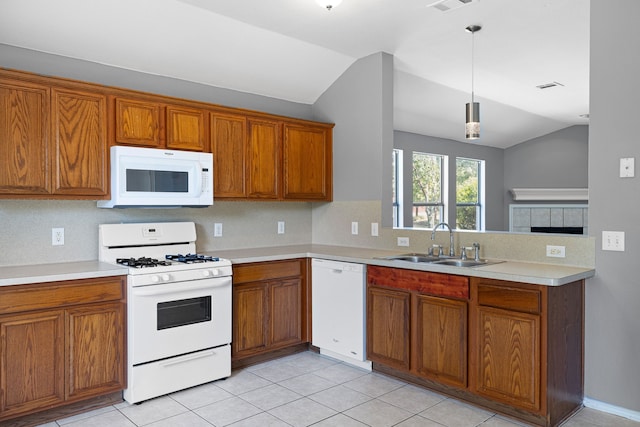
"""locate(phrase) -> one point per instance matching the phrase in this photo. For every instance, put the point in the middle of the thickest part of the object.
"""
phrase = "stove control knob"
(165, 277)
(155, 279)
(216, 272)
(206, 273)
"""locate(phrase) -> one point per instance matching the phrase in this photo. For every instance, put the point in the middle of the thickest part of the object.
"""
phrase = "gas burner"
(142, 262)
(191, 258)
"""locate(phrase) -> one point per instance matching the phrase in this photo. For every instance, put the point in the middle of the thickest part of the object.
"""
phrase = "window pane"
(427, 178)
(426, 216)
(467, 172)
(466, 217)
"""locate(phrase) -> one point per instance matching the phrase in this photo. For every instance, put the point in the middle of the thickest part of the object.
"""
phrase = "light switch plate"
(374, 228)
(403, 241)
(627, 167)
(613, 241)
(217, 229)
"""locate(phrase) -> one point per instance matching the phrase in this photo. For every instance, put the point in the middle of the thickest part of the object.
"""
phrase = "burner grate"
(191, 258)
(142, 262)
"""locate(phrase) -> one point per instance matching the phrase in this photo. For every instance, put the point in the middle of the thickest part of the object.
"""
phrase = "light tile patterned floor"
(308, 389)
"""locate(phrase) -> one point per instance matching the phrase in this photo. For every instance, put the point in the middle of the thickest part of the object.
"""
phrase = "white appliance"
(150, 177)
(338, 310)
(178, 307)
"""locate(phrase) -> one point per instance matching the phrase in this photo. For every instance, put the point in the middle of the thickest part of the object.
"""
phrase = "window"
(469, 215)
(396, 163)
(427, 177)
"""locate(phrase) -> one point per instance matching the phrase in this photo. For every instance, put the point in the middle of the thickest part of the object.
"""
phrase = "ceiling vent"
(447, 5)
(549, 85)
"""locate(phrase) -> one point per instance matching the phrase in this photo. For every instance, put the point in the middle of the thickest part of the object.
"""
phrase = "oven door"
(171, 319)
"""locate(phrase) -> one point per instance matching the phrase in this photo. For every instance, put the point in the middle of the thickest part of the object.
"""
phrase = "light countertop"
(517, 271)
(56, 272)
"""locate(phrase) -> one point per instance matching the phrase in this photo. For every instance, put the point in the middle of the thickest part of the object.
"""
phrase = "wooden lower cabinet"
(514, 348)
(417, 323)
(60, 343)
(269, 307)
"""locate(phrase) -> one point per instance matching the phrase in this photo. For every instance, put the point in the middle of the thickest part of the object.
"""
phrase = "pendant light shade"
(472, 123)
(472, 126)
(328, 4)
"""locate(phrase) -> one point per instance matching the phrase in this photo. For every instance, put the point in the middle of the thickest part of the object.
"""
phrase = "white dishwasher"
(338, 310)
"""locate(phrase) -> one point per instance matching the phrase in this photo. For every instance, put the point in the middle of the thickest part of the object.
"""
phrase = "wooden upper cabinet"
(152, 123)
(228, 145)
(79, 153)
(186, 129)
(24, 138)
(307, 162)
(137, 123)
(263, 159)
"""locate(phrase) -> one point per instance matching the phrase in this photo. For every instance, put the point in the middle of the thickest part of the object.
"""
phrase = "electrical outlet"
(280, 227)
(555, 251)
(374, 228)
(613, 241)
(403, 241)
(354, 227)
(217, 229)
(57, 236)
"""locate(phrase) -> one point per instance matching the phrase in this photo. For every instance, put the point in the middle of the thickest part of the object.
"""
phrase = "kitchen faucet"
(452, 251)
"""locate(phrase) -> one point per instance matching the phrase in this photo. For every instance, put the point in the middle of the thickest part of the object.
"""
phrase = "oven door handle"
(188, 358)
(144, 291)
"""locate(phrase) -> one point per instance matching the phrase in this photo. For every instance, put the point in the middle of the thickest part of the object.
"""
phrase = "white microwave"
(150, 177)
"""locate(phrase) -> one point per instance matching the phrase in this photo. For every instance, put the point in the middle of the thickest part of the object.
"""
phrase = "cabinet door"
(249, 319)
(441, 339)
(31, 361)
(306, 163)
(285, 312)
(263, 159)
(228, 145)
(509, 357)
(137, 123)
(388, 327)
(96, 350)
(186, 129)
(24, 138)
(79, 153)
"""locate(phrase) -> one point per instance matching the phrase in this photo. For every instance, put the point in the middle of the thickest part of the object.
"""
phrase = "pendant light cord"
(473, 38)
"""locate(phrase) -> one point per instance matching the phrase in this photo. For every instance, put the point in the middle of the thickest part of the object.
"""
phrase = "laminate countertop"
(517, 271)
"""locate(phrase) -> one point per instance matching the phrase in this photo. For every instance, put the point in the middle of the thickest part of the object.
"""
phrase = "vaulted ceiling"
(294, 50)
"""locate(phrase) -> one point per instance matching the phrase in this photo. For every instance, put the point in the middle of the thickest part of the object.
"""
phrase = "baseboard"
(611, 409)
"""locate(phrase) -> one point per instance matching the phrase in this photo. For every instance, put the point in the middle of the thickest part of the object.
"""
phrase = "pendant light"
(328, 4)
(472, 124)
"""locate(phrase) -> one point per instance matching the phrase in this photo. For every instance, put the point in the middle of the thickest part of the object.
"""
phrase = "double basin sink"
(443, 260)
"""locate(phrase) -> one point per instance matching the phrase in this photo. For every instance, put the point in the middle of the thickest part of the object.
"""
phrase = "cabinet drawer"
(266, 271)
(14, 299)
(438, 284)
(515, 299)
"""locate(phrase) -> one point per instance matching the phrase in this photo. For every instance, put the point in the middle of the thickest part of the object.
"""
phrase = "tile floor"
(309, 389)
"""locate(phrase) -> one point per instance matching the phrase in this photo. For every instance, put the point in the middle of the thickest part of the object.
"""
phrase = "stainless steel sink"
(461, 262)
(413, 257)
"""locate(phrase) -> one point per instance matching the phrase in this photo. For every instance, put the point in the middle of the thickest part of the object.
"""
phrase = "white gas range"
(178, 307)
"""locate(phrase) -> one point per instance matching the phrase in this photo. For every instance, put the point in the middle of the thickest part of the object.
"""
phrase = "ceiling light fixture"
(472, 124)
(328, 4)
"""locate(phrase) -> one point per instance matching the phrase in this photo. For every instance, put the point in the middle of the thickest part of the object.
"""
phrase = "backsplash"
(25, 233)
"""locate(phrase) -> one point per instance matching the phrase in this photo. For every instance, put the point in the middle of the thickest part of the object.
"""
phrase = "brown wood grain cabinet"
(417, 323)
(307, 162)
(512, 347)
(263, 159)
(229, 148)
(154, 123)
(61, 342)
(269, 307)
(53, 141)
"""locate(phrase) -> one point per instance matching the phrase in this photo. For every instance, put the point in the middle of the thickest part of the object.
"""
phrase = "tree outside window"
(468, 200)
(428, 204)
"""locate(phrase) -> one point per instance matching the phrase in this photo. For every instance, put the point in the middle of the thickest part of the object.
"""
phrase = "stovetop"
(148, 262)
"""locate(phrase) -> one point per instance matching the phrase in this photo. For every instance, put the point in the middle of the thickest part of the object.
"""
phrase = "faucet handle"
(463, 253)
(476, 249)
